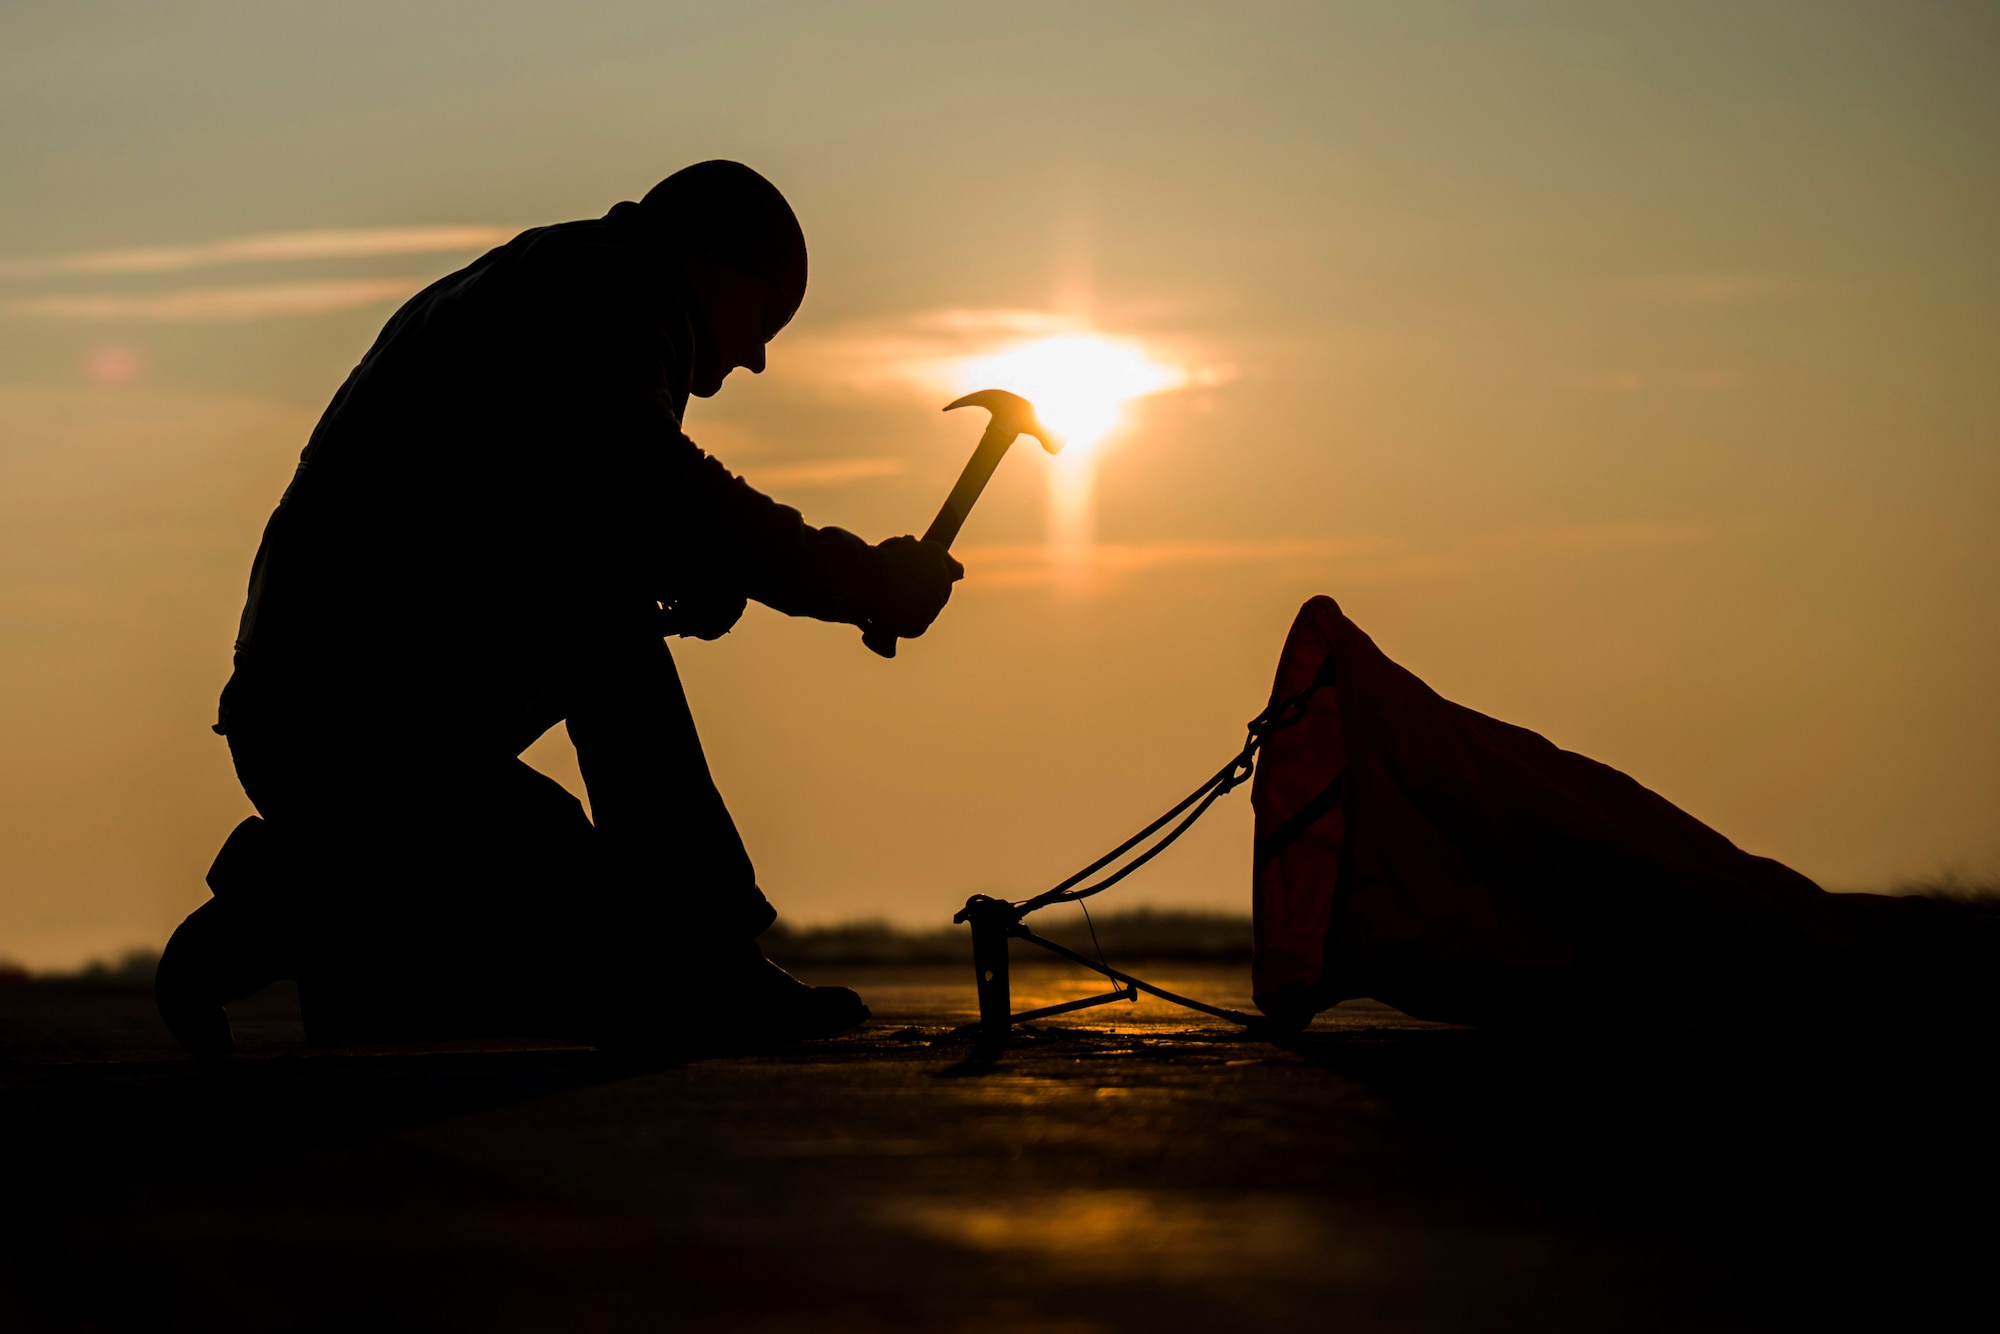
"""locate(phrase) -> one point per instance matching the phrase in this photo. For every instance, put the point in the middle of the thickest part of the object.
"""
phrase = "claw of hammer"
(1013, 417)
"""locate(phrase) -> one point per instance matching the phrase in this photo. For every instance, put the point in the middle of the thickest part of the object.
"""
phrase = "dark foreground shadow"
(1812, 1179)
(1729, 1176)
(117, 1157)
(1439, 1179)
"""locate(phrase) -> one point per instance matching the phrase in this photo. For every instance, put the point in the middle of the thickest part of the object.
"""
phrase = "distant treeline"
(1979, 893)
(1142, 933)
(1138, 934)
(1146, 933)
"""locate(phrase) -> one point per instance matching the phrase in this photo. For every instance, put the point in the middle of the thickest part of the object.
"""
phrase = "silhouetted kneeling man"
(489, 532)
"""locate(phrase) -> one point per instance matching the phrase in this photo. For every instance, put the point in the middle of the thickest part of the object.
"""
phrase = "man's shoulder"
(582, 256)
(554, 307)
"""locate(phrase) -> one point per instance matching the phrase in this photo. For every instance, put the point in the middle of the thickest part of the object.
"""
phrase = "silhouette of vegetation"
(1139, 933)
(1142, 933)
(1981, 893)
(134, 968)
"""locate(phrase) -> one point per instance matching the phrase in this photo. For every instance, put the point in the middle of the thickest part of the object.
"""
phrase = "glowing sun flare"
(1078, 382)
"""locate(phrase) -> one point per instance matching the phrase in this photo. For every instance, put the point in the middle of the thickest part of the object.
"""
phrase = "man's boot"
(709, 1000)
(776, 1006)
(227, 949)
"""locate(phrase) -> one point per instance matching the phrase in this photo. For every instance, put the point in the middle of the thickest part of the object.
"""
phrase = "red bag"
(1464, 869)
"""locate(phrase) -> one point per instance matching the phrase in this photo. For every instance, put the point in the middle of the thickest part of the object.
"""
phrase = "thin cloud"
(1705, 289)
(326, 243)
(1132, 556)
(827, 472)
(1103, 566)
(1603, 537)
(916, 352)
(219, 305)
(1029, 564)
(922, 353)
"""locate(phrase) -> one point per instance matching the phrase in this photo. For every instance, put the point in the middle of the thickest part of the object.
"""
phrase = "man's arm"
(708, 538)
(744, 540)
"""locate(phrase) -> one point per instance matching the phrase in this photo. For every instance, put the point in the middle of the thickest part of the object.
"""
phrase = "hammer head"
(1012, 415)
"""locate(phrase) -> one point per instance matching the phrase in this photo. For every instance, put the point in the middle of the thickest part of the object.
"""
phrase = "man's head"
(744, 255)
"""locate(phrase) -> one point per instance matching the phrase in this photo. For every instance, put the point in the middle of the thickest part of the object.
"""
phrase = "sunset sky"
(1629, 371)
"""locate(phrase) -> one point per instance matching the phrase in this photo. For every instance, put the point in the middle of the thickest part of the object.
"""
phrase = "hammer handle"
(978, 472)
(951, 515)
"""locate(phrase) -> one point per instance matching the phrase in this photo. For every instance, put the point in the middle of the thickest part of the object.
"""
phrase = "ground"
(1125, 1168)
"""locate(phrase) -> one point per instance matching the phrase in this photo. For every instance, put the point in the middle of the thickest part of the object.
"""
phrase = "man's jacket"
(501, 487)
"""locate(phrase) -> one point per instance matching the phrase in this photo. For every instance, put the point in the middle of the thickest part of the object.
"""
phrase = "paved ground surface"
(1129, 1170)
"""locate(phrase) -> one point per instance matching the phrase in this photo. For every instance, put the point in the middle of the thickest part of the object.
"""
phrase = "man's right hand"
(913, 582)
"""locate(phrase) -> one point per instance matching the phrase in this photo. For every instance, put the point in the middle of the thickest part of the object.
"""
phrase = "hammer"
(1013, 417)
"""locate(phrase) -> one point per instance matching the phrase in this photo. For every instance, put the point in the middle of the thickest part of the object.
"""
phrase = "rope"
(1084, 908)
(1233, 1016)
(1277, 716)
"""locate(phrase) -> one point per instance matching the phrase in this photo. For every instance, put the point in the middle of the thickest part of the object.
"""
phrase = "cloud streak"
(826, 472)
(1032, 564)
(924, 353)
(1103, 566)
(1615, 536)
(1705, 289)
(325, 243)
(220, 305)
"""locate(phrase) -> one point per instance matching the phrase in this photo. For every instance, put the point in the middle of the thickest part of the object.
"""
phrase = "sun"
(1078, 382)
